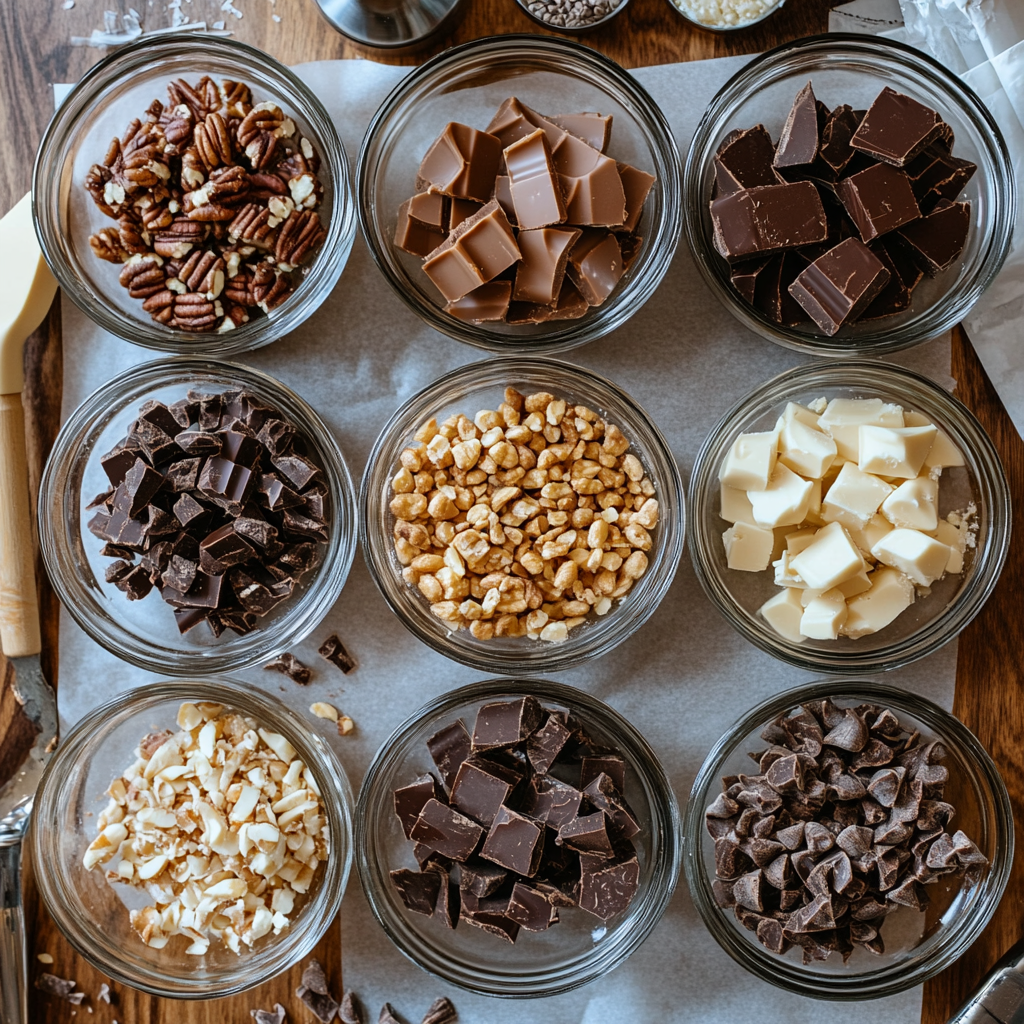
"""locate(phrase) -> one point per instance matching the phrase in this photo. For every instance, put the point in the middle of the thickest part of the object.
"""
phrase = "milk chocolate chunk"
(934, 242)
(552, 802)
(479, 249)
(481, 879)
(417, 889)
(545, 254)
(744, 160)
(637, 186)
(531, 909)
(836, 287)
(449, 748)
(764, 219)
(462, 162)
(835, 151)
(536, 193)
(141, 482)
(422, 223)
(607, 887)
(515, 121)
(545, 745)
(460, 210)
(570, 306)
(514, 842)
(801, 134)
(481, 787)
(446, 831)
(878, 200)
(503, 196)
(896, 128)
(506, 723)
(595, 265)
(485, 303)
(594, 129)
(590, 180)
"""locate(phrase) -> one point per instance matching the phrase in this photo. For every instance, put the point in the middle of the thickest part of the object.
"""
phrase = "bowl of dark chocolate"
(203, 548)
(889, 155)
(572, 918)
(599, 126)
(868, 824)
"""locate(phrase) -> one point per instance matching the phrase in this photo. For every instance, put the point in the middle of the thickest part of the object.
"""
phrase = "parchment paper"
(683, 679)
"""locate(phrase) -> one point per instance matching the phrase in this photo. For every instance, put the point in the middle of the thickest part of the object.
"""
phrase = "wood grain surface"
(35, 51)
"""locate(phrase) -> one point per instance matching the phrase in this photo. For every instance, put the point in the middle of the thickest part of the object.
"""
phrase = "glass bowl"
(468, 83)
(120, 87)
(917, 946)
(144, 632)
(93, 913)
(848, 68)
(580, 947)
(572, 30)
(481, 386)
(931, 621)
(725, 28)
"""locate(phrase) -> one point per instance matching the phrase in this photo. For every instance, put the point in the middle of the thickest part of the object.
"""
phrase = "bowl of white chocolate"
(851, 517)
(192, 839)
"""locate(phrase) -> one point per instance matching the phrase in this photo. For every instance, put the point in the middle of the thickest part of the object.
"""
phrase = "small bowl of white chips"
(848, 518)
(193, 838)
(725, 15)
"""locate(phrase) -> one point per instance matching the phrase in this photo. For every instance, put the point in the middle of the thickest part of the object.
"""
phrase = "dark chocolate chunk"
(607, 887)
(337, 654)
(744, 276)
(605, 796)
(287, 664)
(59, 987)
(896, 128)
(296, 469)
(768, 218)
(242, 449)
(448, 748)
(183, 475)
(274, 494)
(481, 787)
(481, 879)
(878, 200)
(744, 160)
(119, 460)
(441, 1012)
(515, 842)
(612, 765)
(141, 482)
(934, 242)
(449, 901)
(189, 512)
(544, 745)
(417, 889)
(155, 442)
(587, 834)
(505, 723)
(409, 800)
(551, 801)
(446, 831)
(198, 443)
(315, 994)
(204, 592)
(893, 298)
(256, 531)
(219, 550)
(134, 584)
(275, 1016)
(835, 151)
(252, 595)
(531, 909)
(494, 923)
(226, 484)
(801, 134)
(179, 574)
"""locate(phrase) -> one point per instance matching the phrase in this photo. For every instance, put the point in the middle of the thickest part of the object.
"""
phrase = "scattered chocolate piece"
(441, 1011)
(315, 994)
(387, 1015)
(350, 1011)
(275, 1016)
(287, 664)
(337, 654)
(54, 986)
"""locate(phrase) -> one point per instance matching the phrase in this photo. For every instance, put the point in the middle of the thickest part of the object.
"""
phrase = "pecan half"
(156, 216)
(106, 244)
(236, 97)
(160, 306)
(229, 185)
(300, 234)
(203, 272)
(270, 287)
(193, 170)
(239, 288)
(96, 179)
(213, 144)
(251, 226)
(193, 312)
(179, 239)
(263, 185)
(261, 150)
(266, 118)
(131, 236)
(143, 277)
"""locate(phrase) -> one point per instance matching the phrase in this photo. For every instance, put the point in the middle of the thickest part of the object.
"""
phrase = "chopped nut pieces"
(290, 666)
(337, 654)
(322, 710)
(314, 992)
(842, 499)
(220, 823)
(104, 993)
(217, 496)
(522, 521)
(44, 958)
(215, 201)
(526, 841)
(844, 824)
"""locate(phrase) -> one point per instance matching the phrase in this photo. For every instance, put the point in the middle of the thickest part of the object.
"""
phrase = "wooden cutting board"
(35, 51)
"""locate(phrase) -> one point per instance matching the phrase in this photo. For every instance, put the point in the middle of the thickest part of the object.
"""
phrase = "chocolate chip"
(337, 654)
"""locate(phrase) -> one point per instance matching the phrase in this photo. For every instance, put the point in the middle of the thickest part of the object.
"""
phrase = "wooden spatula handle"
(19, 605)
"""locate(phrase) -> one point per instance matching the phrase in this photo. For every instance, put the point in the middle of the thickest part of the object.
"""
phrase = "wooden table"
(35, 51)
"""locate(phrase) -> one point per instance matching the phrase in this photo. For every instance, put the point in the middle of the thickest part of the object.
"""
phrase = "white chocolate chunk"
(944, 453)
(784, 501)
(914, 505)
(824, 615)
(796, 413)
(895, 451)
(854, 497)
(830, 559)
(748, 547)
(920, 557)
(947, 533)
(786, 575)
(843, 417)
(798, 540)
(891, 594)
(804, 449)
(783, 613)
(735, 506)
(750, 461)
(867, 536)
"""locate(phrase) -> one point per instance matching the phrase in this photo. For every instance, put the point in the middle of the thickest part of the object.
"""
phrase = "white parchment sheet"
(683, 679)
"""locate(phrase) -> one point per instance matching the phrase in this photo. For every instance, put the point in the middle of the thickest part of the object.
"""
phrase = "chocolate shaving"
(337, 654)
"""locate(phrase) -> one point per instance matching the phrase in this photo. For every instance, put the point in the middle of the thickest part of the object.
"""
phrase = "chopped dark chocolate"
(446, 831)
(605, 796)
(544, 745)
(607, 887)
(587, 834)
(531, 909)
(878, 200)
(896, 128)
(449, 748)
(481, 787)
(275, 1016)
(441, 1011)
(350, 1011)
(514, 842)
(409, 800)
(417, 889)
(506, 723)
(801, 134)
(612, 765)
(935, 241)
(744, 160)
(553, 802)
(337, 654)
(287, 664)
(480, 878)
(768, 218)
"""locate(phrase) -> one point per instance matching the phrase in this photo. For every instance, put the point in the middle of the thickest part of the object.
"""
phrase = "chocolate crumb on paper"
(315, 994)
(387, 1015)
(337, 654)
(441, 1012)
(351, 1011)
(275, 1016)
(288, 665)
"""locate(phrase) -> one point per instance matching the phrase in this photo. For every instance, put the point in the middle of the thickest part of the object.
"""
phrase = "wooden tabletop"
(35, 51)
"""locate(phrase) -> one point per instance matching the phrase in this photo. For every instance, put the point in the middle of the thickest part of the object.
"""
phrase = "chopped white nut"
(322, 710)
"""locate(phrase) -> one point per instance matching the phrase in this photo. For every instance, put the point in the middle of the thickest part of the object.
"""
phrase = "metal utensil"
(27, 297)
(394, 25)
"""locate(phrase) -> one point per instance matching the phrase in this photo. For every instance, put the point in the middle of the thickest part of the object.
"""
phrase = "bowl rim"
(929, 637)
(883, 341)
(666, 816)
(312, 289)
(578, 332)
(787, 974)
(322, 590)
(337, 798)
(377, 545)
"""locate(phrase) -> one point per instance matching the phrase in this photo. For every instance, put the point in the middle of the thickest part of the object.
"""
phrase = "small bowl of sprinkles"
(725, 15)
(575, 16)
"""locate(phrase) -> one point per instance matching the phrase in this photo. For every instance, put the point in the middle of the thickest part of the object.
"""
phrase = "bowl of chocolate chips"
(517, 837)
(192, 195)
(847, 194)
(196, 516)
(847, 840)
(520, 193)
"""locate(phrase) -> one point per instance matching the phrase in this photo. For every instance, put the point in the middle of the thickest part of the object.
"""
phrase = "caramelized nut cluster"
(524, 520)
(215, 201)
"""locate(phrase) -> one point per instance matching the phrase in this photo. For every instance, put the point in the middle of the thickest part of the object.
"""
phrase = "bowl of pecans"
(193, 838)
(192, 195)
(522, 512)
(847, 840)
